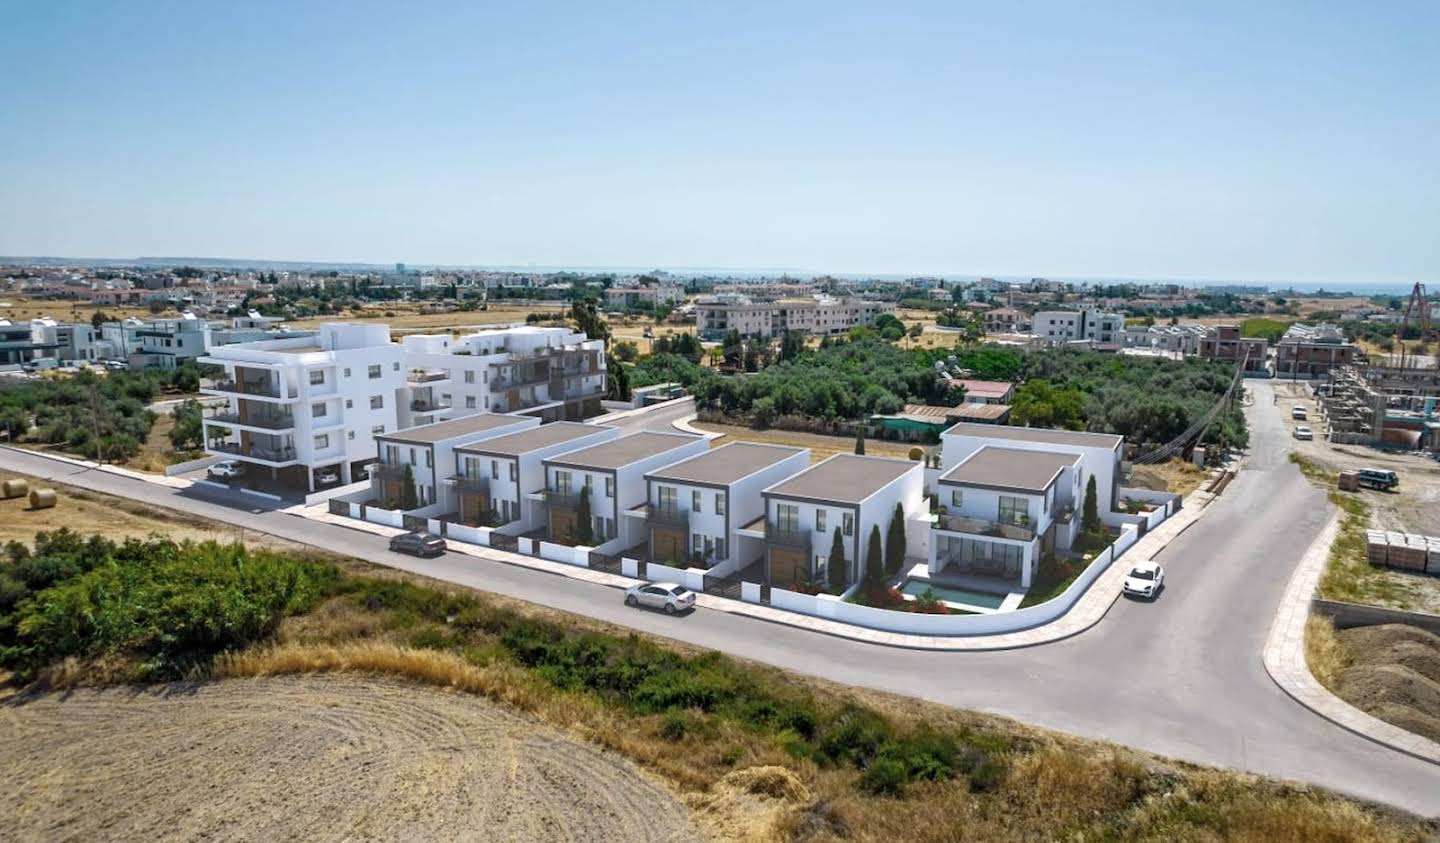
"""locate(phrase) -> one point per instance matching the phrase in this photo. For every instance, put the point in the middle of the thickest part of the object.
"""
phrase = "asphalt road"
(1181, 676)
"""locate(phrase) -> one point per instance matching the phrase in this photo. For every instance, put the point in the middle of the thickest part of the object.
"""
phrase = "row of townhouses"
(817, 316)
(1006, 496)
(309, 410)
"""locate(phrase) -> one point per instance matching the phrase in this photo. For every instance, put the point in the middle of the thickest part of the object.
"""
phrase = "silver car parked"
(668, 596)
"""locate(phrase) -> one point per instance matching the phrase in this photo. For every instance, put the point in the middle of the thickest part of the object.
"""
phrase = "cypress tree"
(860, 441)
(895, 541)
(838, 566)
(1090, 521)
(874, 557)
(584, 532)
(409, 498)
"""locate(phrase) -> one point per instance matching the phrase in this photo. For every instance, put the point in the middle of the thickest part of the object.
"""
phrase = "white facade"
(1062, 326)
(556, 373)
(1099, 452)
(167, 343)
(512, 476)
(428, 452)
(299, 405)
(819, 316)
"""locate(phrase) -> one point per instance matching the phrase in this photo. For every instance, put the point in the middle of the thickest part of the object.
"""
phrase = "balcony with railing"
(388, 470)
(277, 453)
(562, 498)
(474, 484)
(429, 405)
(786, 535)
(664, 516)
(419, 376)
(983, 527)
(267, 421)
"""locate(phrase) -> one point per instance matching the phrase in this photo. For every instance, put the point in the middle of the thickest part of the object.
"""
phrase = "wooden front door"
(667, 544)
(787, 567)
(562, 525)
(473, 508)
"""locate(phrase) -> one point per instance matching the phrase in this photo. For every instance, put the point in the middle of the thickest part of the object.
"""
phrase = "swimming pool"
(951, 594)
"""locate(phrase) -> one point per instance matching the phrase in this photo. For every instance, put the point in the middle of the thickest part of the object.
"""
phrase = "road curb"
(1286, 665)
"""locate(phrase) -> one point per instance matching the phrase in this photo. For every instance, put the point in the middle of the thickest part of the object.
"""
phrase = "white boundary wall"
(691, 578)
(830, 606)
(578, 556)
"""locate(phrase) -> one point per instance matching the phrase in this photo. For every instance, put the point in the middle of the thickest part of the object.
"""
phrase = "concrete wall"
(577, 556)
(691, 578)
(1350, 615)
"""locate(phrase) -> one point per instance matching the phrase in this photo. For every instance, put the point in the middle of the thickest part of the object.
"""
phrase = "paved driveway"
(1181, 676)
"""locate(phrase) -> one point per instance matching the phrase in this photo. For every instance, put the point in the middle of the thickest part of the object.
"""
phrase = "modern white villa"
(497, 480)
(427, 454)
(1010, 495)
(614, 474)
(694, 508)
(845, 491)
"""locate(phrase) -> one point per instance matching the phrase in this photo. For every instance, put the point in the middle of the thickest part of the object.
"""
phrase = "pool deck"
(969, 582)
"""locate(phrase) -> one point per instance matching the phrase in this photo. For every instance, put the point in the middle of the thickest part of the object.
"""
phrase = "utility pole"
(95, 420)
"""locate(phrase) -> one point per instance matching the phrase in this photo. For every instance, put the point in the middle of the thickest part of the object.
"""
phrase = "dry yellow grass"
(820, 445)
(24, 307)
(1324, 652)
(1176, 476)
(407, 318)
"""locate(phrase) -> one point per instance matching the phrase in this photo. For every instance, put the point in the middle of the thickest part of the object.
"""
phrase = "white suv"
(227, 470)
(1145, 579)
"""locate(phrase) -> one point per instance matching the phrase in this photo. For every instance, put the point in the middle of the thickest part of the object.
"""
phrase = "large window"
(374, 371)
(562, 482)
(317, 377)
(1014, 510)
(787, 517)
(820, 521)
(377, 402)
(667, 498)
(848, 524)
(719, 503)
(695, 500)
(318, 409)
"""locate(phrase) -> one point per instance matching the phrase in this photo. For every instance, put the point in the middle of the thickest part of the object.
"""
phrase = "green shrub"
(674, 726)
(885, 777)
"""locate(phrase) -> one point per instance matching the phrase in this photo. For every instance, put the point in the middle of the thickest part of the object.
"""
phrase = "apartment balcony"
(254, 388)
(264, 421)
(432, 405)
(420, 376)
(982, 527)
(666, 517)
(475, 485)
(278, 454)
(786, 536)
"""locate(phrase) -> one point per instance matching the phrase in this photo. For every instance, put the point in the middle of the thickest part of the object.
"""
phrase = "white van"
(1297, 412)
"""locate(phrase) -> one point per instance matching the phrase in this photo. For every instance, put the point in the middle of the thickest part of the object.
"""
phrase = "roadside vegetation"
(833, 763)
(70, 413)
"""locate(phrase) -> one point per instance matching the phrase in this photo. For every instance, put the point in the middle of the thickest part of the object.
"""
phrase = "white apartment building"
(625, 298)
(845, 491)
(427, 455)
(298, 406)
(1184, 339)
(1057, 327)
(818, 316)
(496, 480)
(550, 372)
(614, 473)
(695, 508)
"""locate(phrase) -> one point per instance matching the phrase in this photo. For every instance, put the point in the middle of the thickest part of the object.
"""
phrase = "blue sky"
(1259, 141)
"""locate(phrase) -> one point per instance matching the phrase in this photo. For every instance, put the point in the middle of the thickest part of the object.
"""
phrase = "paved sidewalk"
(158, 479)
(1285, 659)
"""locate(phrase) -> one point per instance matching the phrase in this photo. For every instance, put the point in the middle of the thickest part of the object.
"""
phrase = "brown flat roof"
(1010, 468)
(994, 389)
(844, 478)
(624, 450)
(1035, 434)
(515, 444)
(725, 464)
(427, 434)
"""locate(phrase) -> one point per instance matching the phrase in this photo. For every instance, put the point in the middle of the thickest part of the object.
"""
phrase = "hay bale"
(15, 488)
(43, 498)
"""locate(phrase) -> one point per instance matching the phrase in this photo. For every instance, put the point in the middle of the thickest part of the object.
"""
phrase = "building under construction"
(1383, 405)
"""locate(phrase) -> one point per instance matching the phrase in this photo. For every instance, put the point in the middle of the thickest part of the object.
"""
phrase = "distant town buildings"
(819, 316)
(1058, 327)
(1308, 351)
(1224, 344)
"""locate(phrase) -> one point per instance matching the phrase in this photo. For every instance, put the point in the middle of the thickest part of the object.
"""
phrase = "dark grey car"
(418, 544)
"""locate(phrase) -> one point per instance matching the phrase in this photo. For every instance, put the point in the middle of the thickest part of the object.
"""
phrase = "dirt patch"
(1393, 674)
(820, 445)
(334, 758)
(1176, 476)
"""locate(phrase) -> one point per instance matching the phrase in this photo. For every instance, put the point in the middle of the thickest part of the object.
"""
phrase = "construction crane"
(1418, 310)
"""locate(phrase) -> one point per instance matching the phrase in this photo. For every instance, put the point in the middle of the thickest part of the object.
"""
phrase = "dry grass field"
(20, 307)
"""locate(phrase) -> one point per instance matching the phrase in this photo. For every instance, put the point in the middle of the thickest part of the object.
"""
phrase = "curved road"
(1180, 677)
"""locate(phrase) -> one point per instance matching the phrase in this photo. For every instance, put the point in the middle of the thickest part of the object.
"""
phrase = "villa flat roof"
(988, 389)
(843, 478)
(304, 349)
(1035, 434)
(623, 451)
(427, 434)
(726, 464)
(1010, 468)
(515, 444)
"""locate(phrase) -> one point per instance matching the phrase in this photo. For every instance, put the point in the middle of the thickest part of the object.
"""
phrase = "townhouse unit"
(1002, 510)
(425, 457)
(694, 508)
(1057, 327)
(497, 480)
(302, 406)
(845, 491)
(614, 474)
(1224, 343)
(1311, 351)
(549, 372)
(19, 344)
(1006, 320)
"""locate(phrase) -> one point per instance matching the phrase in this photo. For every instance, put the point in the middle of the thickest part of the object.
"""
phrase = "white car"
(227, 470)
(1145, 579)
(1303, 432)
(669, 596)
(327, 476)
(1298, 412)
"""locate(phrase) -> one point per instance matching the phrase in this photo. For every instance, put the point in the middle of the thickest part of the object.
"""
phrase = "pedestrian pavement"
(1286, 663)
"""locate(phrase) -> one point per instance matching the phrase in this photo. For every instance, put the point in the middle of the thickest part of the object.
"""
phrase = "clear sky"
(1253, 141)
